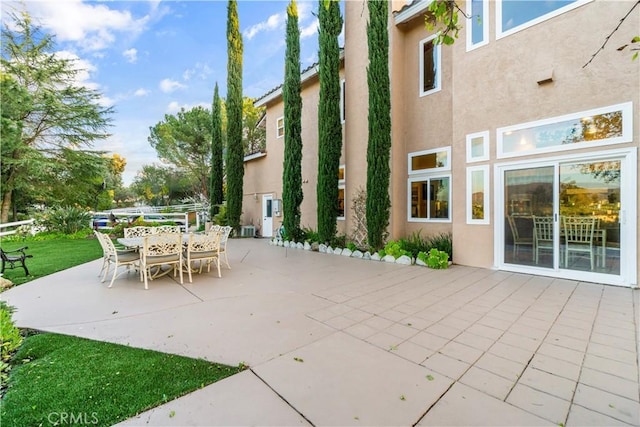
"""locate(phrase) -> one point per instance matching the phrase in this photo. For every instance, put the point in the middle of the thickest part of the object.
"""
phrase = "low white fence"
(14, 227)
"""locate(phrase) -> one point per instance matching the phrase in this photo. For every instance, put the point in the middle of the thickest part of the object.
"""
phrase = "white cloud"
(131, 55)
(203, 71)
(141, 92)
(92, 26)
(310, 30)
(273, 22)
(175, 106)
(168, 85)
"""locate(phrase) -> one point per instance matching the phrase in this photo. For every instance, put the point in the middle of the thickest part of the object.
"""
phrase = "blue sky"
(150, 58)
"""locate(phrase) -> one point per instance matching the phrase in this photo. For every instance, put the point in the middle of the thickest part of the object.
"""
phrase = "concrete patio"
(334, 341)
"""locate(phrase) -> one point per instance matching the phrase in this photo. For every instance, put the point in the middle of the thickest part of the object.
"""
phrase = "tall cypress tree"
(292, 169)
(379, 145)
(217, 173)
(329, 124)
(235, 151)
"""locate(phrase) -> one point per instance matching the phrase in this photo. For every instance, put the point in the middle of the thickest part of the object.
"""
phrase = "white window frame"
(629, 226)
(342, 186)
(342, 101)
(279, 129)
(486, 202)
(627, 131)
(500, 34)
(428, 175)
(446, 167)
(485, 26)
(438, 62)
(485, 146)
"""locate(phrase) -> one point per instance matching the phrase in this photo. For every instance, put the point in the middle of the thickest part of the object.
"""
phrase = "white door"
(267, 215)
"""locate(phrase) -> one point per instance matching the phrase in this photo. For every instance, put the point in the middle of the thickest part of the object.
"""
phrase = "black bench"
(8, 257)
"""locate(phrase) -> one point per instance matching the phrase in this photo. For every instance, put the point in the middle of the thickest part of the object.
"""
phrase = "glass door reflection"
(590, 204)
(529, 200)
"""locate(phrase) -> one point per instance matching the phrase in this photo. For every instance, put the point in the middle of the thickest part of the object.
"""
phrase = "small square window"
(280, 127)
(478, 146)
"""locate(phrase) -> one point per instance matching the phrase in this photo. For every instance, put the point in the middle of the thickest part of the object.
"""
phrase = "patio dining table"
(138, 242)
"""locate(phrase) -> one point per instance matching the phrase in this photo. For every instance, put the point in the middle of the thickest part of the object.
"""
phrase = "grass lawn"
(99, 382)
(50, 256)
(64, 380)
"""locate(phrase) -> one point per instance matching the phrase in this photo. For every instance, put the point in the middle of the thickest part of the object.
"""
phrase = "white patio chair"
(164, 229)
(159, 250)
(115, 257)
(202, 248)
(138, 231)
(517, 239)
(224, 237)
(578, 236)
(542, 235)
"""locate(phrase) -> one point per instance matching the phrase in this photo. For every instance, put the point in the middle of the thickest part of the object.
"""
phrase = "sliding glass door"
(567, 217)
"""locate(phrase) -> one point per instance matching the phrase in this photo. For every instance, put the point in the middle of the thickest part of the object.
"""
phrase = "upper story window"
(429, 66)
(478, 25)
(280, 127)
(515, 15)
(600, 126)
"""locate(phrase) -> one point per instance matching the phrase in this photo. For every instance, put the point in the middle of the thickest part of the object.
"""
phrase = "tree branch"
(611, 34)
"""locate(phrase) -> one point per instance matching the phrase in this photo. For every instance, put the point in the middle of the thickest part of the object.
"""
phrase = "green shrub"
(442, 242)
(415, 244)
(352, 246)
(339, 241)
(65, 220)
(309, 235)
(435, 258)
(10, 340)
(394, 249)
(221, 217)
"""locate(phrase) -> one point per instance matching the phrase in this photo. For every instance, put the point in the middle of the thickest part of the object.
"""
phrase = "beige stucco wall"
(496, 85)
(264, 175)
(357, 101)
(483, 89)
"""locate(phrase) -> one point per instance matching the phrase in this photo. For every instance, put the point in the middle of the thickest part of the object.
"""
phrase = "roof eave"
(411, 11)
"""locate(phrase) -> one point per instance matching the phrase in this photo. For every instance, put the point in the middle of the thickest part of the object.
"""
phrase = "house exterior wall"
(263, 175)
(496, 85)
(483, 89)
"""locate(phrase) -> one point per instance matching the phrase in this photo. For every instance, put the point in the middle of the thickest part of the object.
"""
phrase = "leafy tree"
(184, 141)
(235, 155)
(48, 116)
(254, 137)
(379, 146)
(292, 170)
(329, 124)
(161, 186)
(216, 195)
